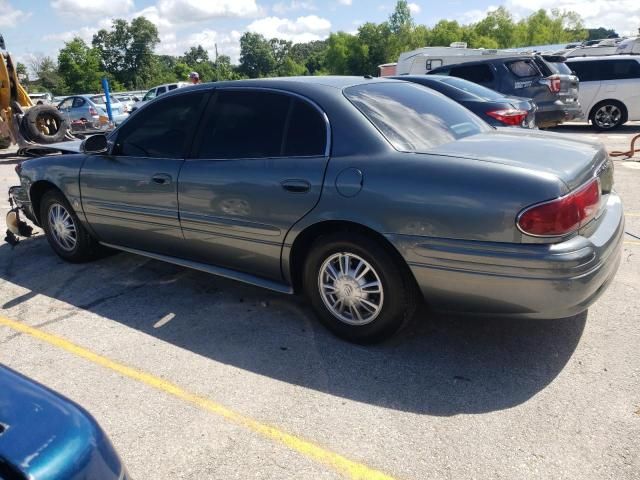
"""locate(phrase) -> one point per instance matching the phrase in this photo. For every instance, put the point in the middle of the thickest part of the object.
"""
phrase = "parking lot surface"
(196, 377)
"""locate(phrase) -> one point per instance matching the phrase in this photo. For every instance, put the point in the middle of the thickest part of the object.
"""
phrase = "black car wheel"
(66, 235)
(358, 290)
(608, 115)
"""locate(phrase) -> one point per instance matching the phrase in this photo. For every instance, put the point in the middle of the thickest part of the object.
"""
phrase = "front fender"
(61, 172)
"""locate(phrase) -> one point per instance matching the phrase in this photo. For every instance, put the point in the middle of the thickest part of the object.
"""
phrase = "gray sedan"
(366, 195)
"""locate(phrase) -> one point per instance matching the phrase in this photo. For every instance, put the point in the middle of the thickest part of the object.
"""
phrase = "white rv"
(422, 60)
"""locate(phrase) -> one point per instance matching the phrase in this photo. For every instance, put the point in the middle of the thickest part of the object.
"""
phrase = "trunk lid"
(572, 161)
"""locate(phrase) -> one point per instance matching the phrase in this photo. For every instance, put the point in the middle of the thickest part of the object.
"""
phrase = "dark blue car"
(495, 108)
(45, 436)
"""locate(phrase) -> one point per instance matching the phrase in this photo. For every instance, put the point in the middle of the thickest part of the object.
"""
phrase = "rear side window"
(413, 118)
(307, 132)
(256, 124)
(589, 71)
(161, 90)
(523, 68)
(78, 102)
(162, 129)
(474, 73)
(621, 69)
(172, 87)
(245, 125)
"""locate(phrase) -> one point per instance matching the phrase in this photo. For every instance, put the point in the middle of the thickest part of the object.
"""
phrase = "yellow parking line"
(632, 214)
(346, 467)
(631, 242)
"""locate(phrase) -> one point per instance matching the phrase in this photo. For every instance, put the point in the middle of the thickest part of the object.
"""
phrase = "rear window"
(559, 68)
(413, 118)
(523, 68)
(472, 88)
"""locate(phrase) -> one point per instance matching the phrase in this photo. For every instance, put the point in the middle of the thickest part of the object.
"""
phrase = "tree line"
(125, 53)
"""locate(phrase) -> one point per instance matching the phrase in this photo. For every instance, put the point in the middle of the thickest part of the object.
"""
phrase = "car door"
(129, 196)
(257, 169)
(79, 109)
(65, 107)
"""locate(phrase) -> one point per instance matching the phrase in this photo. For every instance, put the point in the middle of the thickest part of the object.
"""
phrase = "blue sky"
(40, 27)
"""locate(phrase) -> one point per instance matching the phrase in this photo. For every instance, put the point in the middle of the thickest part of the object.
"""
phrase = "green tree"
(22, 72)
(401, 18)
(195, 56)
(79, 67)
(499, 26)
(445, 32)
(601, 32)
(45, 71)
(126, 51)
(256, 56)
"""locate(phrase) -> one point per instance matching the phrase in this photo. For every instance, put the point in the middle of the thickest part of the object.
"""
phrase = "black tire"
(614, 121)
(398, 291)
(44, 124)
(85, 247)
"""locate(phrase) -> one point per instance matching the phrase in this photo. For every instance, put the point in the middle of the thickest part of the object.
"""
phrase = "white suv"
(157, 91)
(609, 88)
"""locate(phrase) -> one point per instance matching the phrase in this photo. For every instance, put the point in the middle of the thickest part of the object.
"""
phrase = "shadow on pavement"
(442, 366)
(586, 128)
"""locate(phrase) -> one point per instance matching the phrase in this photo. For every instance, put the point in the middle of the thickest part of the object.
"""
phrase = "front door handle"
(296, 186)
(161, 179)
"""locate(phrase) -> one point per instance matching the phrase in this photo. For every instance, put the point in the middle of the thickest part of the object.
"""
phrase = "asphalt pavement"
(197, 377)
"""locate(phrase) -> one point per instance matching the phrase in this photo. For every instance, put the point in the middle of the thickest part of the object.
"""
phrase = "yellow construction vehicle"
(21, 122)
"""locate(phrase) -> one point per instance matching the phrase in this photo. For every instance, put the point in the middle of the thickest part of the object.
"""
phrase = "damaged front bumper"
(16, 227)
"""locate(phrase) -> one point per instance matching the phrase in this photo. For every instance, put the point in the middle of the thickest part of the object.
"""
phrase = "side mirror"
(95, 144)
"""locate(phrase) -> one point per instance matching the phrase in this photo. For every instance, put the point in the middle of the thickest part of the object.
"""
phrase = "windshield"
(472, 88)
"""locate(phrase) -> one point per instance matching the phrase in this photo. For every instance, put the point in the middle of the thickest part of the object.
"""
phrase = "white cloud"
(92, 8)
(414, 8)
(187, 11)
(85, 33)
(293, 5)
(10, 15)
(302, 29)
(345, 2)
(621, 15)
(227, 43)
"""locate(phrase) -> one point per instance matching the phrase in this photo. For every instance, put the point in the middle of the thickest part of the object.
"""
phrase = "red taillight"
(509, 116)
(93, 112)
(554, 83)
(562, 215)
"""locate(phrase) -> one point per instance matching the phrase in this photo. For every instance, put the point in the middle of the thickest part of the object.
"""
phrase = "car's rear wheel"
(357, 288)
(66, 235)
(608, 115)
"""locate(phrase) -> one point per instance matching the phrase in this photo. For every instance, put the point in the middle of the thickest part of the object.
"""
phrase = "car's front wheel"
(357, 288)
(66, 235)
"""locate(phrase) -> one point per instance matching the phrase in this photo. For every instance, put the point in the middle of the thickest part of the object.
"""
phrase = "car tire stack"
(44, 124)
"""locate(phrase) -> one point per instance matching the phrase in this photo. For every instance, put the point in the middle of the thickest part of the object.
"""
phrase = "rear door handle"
(296, 186)
(161, 179)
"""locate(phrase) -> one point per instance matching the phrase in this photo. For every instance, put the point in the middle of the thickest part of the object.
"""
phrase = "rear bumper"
(526, 280)
(558, 112)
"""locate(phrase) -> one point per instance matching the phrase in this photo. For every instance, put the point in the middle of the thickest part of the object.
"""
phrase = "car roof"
(486, 60)
(331, 81)
(604, 57)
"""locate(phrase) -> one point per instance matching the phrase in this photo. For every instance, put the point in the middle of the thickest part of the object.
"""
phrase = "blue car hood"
(47, 436)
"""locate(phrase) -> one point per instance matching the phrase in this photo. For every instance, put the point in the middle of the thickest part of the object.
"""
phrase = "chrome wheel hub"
(607, 116)
(350, 288)
(63, 229)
